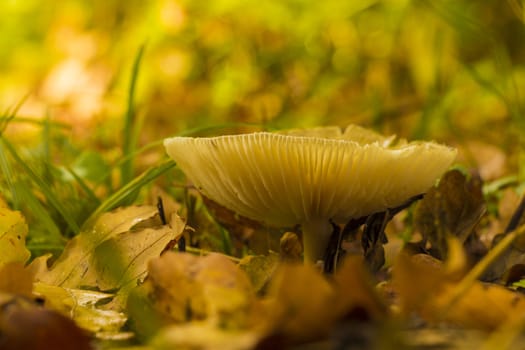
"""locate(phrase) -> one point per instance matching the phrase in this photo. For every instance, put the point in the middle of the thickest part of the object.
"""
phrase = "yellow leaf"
(81, 306)
(186, 287)
(16, 280)
(301, 305)
(203, 336)
(426, 287)
(13, 233)
(356, 290)
(259, 268)
(416, 280)
(113, 253)
(472, 309)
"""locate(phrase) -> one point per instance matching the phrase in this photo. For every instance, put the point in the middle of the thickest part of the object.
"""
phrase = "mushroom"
(309, 177)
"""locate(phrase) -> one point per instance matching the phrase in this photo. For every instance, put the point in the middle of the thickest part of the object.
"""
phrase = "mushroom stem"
(316, 234)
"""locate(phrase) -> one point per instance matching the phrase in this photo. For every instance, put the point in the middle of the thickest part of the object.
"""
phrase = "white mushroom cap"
(287, 179)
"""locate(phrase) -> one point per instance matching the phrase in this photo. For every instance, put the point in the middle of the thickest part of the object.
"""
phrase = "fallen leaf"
(291, 247)
(260, 269)
(111, 254)
(509, 267)
(427, 287)
(81, 306)
(302, 304)
(454, 208)
(357, 292)
(245, 233)
(207, 302)
(25, 325)
(16, 280)
(122, 260)
(184, 287)
(203, 336)
(13, 233)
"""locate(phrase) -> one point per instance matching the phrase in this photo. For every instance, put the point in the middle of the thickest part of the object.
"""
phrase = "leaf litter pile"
(135, 275)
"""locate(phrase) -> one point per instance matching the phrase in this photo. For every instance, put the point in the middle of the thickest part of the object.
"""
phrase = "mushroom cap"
(290, 178)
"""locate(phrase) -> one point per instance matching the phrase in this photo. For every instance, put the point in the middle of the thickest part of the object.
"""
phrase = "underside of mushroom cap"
(287, 179)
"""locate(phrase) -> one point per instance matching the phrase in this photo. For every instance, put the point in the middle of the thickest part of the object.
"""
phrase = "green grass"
(131, 124)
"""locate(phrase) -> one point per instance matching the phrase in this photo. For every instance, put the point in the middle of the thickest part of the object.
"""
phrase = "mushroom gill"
(309, 177)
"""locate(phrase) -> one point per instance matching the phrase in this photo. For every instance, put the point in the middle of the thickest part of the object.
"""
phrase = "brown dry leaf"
(25, 325)
(454, 207)
(244, 232)
(427, 287)
(509, 267)
(113, 253)
(291, 247)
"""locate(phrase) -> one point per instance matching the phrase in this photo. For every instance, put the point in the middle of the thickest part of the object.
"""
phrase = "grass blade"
(122, 195)
(10, 115)
(88, 191)
(23, 196)
(43, 186)
(130, 132)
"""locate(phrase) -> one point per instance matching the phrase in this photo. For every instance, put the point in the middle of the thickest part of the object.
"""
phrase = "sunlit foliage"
(420, 68)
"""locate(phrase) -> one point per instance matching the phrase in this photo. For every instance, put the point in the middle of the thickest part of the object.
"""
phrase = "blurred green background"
(439, 69)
